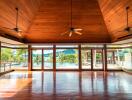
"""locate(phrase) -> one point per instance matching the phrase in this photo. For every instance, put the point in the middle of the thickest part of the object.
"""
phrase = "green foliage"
(98, 56)
(20, 55)
(12, 55)
(6, 55)
(69, 58)
(37, 59)
(49, 58)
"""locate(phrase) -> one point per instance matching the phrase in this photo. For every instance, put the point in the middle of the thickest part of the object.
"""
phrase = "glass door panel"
(86, 59)
(97, 59)
(37, 59)
(48, 59)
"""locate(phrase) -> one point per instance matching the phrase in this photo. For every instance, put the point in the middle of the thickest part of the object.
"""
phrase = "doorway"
(42, 59)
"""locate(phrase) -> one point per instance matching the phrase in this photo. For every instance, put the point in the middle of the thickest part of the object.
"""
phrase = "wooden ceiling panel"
(114, 13)
(27, 11)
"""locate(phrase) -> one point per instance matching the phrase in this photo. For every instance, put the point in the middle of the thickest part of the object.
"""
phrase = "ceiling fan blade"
(19, 34)
(77, 29)
(130, 28)
(64, 33)
(70, 34)
(118, 31)
(11, 31)
(79, 33)
(6, 28)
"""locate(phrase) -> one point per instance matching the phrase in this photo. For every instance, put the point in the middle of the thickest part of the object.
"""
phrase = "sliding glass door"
(67, 58)
(37, 59)
(42, 59)
(97, 59)
(86, 58)
(48, 59)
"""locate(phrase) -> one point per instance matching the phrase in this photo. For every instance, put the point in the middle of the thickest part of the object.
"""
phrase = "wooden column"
(29, 58)
(105, 57)
(79, 58)
(91, 59)
(113, 55)
(87, 56)
(54, 57)
(102, 58)
(42, 59)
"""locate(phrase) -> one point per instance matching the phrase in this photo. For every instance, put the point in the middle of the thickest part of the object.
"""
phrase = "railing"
(5, 66)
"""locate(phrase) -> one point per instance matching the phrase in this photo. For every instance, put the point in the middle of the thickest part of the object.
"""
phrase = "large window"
(119, 57)
(13, 59)
(6, 59)
(67, 59)
(20, 59)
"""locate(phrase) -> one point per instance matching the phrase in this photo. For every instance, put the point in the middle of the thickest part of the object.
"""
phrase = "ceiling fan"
(72, 30)
(127, 29)
(16, 29)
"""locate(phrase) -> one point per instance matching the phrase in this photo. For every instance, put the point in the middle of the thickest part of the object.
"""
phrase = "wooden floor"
(86, 85)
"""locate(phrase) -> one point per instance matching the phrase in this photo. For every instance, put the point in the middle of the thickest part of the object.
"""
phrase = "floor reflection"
(64, 85)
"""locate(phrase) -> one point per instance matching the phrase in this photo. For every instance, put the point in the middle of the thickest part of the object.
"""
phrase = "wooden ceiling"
(27, 12)
(43, 21)
(114, 13)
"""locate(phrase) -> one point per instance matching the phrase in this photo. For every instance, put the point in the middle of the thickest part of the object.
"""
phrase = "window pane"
(20, 59)
(91, 46)
(14, 45)
(114, 59)
(37, 59)
(42, 46)
(66, 46)
(48, 59)
(6, 59)
(13, 59)
(127, 59)
(67, 59)
(119, 46)
(119, 58)
(97, 59)
(86, 59)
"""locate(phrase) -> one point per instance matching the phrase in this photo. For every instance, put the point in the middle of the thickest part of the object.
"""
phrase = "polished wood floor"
(86, 85)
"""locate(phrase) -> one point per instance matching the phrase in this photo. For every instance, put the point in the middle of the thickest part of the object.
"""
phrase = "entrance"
(92, 59)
